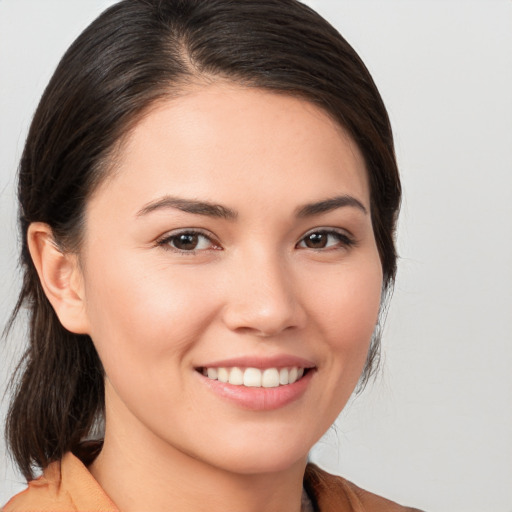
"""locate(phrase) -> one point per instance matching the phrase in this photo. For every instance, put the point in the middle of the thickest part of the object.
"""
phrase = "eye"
(188, 241)
(325, 239)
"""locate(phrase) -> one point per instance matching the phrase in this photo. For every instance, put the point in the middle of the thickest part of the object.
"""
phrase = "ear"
(60, 276)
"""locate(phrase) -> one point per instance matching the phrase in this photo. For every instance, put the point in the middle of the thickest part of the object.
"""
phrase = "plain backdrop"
(435, 429)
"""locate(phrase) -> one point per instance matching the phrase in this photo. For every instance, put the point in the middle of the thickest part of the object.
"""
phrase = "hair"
(134, 54)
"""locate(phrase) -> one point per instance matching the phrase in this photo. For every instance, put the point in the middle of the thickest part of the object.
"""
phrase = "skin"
(253, 288)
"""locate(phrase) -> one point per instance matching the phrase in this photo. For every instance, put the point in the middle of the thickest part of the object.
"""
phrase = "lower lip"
(260, 399)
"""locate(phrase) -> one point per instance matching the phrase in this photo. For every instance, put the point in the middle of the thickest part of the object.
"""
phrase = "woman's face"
(234, 242)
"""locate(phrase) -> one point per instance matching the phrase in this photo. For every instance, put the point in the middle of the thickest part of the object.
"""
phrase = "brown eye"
(325, 239)
(316, 240)
(188, 241)
(185, 241)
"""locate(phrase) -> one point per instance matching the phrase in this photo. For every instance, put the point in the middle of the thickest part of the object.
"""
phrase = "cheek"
(344, 311)
(347, 311)
(140, 316)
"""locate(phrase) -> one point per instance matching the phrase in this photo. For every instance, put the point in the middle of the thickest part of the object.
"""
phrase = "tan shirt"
(67, 486)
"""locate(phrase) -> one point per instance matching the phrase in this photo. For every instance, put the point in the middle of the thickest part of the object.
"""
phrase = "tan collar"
(65, 486)
(68, 486)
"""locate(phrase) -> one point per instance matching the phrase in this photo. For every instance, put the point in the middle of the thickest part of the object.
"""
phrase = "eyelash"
(344, 240)
(167, 240)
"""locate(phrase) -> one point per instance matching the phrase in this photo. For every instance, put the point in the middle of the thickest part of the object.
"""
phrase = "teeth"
(254, 377)
(236, 376)
(222, 375)
(270, 378)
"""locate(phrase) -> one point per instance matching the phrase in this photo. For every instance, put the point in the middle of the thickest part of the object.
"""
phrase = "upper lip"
(280, 361)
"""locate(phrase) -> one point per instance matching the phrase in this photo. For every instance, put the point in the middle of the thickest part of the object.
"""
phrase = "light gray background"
(435, 430)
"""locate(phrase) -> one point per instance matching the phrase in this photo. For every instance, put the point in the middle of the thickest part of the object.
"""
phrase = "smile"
(255, 377)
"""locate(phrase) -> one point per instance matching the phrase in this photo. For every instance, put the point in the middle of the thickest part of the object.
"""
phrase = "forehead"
(216, 139)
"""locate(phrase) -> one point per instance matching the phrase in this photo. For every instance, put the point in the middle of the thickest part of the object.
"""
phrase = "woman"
(208, 198)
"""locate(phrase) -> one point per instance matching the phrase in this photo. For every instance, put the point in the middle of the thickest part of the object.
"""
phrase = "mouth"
(255, 377)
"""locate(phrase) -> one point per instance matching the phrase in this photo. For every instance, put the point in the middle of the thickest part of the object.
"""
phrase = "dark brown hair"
(135, 53)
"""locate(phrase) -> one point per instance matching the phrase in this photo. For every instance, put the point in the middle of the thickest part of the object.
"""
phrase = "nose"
(263, 297)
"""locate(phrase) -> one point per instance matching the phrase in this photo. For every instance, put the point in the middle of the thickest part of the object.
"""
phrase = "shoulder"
(333, 493)
(65, 486)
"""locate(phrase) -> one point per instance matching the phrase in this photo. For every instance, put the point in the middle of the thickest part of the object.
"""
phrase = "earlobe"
(60, 277)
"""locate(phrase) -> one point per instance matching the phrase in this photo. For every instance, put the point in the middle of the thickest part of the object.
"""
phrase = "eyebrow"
(219, 211)
(328, 205)
(189, 206)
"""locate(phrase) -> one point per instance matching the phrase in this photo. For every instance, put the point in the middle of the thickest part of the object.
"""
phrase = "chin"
(264, 464)
(259, 457)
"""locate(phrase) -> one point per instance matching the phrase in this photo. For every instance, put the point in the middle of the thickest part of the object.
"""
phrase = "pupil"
(186, 241)
(316, 240)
